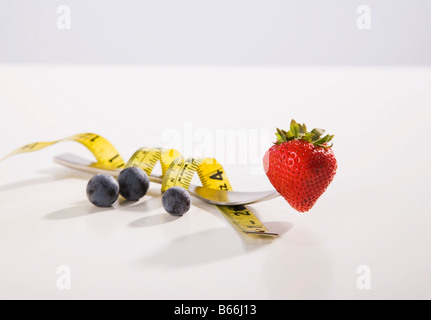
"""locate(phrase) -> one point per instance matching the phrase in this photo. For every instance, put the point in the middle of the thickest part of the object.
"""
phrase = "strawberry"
(300, 165)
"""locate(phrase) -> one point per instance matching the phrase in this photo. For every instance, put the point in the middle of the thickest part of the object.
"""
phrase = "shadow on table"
(153, 220)
(51, 175)
(208, 246)
(75, 212)
(151, 201)
(84, 208)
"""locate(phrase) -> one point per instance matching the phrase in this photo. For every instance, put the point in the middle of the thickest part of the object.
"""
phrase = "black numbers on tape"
(114, 158)
(29, 146)
(223, 187)
(241, 213)
(217, 176)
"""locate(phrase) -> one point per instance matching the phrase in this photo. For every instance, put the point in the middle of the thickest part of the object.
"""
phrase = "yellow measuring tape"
(176, 171)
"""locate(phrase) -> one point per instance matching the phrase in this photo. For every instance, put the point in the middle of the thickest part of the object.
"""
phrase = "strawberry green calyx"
(299, 132)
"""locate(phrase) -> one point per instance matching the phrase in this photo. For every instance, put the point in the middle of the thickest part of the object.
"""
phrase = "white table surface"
(376, 212)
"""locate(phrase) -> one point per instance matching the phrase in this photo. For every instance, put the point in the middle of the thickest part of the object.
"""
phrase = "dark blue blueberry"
(103, 190)
(176, 201)
(134, 183)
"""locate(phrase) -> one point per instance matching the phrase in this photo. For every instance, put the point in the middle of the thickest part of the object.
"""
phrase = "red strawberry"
(300, 165)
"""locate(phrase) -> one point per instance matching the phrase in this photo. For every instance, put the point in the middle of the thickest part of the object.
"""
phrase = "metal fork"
(217, 197)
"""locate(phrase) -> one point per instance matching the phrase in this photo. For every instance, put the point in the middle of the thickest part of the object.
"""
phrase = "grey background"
(249, 32)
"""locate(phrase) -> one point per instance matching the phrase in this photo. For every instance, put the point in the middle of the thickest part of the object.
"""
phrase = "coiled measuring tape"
(176, 171)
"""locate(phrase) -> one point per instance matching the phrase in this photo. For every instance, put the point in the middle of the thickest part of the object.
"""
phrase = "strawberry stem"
(299, 132)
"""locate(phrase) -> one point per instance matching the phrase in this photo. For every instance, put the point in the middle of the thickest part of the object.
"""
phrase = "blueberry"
(134, 183)
(176, 201)
(103, 190)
